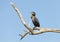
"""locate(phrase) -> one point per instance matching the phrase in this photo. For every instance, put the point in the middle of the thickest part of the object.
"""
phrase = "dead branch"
(40, 30)
(21, 18)
(23, 35)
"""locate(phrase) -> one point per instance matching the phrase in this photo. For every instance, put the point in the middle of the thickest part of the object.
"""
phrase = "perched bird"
(35, 20)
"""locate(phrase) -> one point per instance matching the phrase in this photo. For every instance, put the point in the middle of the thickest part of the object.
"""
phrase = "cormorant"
(35, 20)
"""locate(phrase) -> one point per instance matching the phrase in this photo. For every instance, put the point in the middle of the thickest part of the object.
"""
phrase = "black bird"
(35, 20)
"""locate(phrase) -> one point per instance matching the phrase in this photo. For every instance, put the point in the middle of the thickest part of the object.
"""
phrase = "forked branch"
(40, 30)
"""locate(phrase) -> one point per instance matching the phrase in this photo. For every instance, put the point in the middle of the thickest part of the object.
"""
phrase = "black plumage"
(35, 20)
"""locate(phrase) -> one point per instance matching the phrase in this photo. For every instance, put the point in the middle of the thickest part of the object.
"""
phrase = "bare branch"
(21, 18)
(44, 30)
(40, 30)
(23, 35)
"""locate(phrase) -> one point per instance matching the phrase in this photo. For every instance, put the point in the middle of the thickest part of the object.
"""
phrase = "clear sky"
(47, 11)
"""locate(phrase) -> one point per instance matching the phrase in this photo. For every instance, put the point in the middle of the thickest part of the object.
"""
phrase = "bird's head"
(33, 13)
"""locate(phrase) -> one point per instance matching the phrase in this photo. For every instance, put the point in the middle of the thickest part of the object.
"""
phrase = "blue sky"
(47, 11)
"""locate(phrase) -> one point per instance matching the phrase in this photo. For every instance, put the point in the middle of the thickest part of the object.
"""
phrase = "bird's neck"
(32, 17)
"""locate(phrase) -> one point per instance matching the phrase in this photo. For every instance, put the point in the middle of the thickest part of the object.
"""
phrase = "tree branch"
(23, 35)
(44, 30)
(40, 30)
(21, 18)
